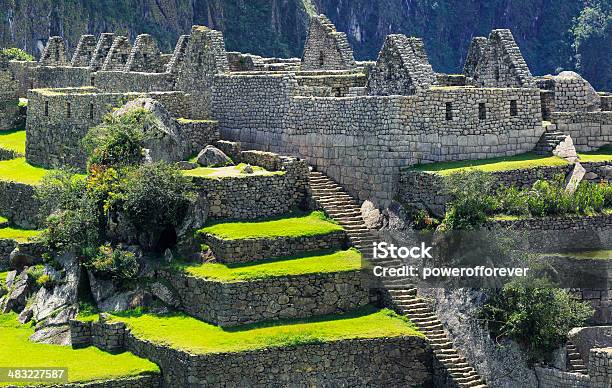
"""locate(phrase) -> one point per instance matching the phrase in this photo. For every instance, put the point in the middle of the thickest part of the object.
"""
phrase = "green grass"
(3, 220)
(340, 261)
(3, 278)
(300, 225)
(189, 334)
(13, 141)
(89, 364)
(527, 160)
(228, 172)
(604, 154)
(18, 170)
(599, 255)
(20, 235)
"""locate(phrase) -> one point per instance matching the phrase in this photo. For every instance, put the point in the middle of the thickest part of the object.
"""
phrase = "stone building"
(357, 122)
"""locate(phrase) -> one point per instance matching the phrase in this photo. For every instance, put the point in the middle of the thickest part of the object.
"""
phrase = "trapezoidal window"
(91, 111)
(46, 108)
(321, 59)
(513, 108)
(482, 111)
(57, 55)
(449, 111)
(68, 110)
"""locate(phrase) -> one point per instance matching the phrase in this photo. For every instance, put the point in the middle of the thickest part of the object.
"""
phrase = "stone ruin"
(359, 123)
(402, 68)
(326, 48)
(496, 108)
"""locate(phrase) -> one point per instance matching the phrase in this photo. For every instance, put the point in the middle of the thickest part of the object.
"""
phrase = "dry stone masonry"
(326, 48)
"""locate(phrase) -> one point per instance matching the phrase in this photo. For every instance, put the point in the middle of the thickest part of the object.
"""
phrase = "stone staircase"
(575, 363)
(554, 142)
(332, 198)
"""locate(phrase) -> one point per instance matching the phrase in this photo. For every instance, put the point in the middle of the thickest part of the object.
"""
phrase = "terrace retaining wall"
(18, 204)
(241, 302)
(398, 361)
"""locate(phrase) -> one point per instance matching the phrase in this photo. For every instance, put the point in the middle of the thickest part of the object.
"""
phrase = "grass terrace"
(311, 263)
(89, 364)
(19, 235)
(228, 172)
(189, 334)
(13, 140)
(597, 255)
(20, 171)
(3, 278)
(527, 160)
(604, 154)
(296, 225)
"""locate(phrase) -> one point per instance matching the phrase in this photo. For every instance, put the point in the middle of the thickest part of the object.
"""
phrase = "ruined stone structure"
(326, 48)
(359, 125)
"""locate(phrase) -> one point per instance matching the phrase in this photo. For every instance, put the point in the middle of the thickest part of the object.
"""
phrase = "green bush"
(538, 316)
(156, 196)
(15, 54)
(118, 141)
(45, 281)
(472, 201)
(114, 263)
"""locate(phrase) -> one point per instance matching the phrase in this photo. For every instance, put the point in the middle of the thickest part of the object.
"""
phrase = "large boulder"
(211, 156)
(19, 289)
(163, 138)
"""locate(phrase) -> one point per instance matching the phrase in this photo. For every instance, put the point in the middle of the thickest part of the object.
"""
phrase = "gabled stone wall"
(145, 56)
(502, 64)
(84, 51)
(118, 54)
(402, 68)
(54, 53)
(326, 48)
(101, 51)
(475, 54)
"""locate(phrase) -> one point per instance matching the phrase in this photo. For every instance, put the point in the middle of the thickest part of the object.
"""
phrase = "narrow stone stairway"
(332, 198)
(548, 142)
(575, 362)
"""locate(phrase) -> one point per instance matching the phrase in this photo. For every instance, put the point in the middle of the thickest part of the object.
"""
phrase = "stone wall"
(587, 338)
(245, 250)
(145, 56)
(17, 203)
(501, 64)
(252, 196)
(402, 68)
(550, 377)
(475, 53)
(101, 51)
(562, 234)
(361, 142)
(242, 302)
(601, 300)
(118, 54)
(59, 119)
(115, 81)
(401, 361)
(54, 53)
(84, 51)
(326, 48)
(199, 133)
(600, 367)
(6, 247)
(589, 130)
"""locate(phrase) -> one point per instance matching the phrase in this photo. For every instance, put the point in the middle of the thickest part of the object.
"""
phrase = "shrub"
(113, 263)
(471, 201)
(513, 201)
(118, 141)
(155, 196)
(45, 281)
(537, 317)
(61, 190)
(15, 54)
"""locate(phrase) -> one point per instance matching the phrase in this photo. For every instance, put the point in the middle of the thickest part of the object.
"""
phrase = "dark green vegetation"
(87, 364)
(299, 225)
(538, 316)
(311, 263)
(187, 333)
(475, 198)
(553, 35)
(114, 202)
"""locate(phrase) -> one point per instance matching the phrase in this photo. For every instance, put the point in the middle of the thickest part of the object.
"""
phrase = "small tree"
(538, 316)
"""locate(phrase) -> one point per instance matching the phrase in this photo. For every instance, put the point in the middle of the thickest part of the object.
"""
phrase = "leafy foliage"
(15, 54)
(114, 263)
(538, 317)
(118, 141)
